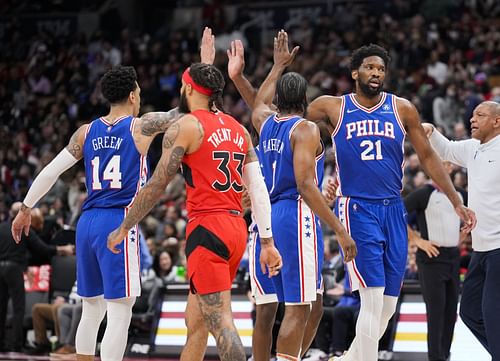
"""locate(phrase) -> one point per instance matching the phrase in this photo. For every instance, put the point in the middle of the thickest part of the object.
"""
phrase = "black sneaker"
(41, 349)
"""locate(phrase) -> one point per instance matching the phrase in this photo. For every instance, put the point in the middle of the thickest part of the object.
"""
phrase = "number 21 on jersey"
(111, 173)
(369, 153)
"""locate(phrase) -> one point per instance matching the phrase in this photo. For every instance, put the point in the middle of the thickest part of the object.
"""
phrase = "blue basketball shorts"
(298, 237)
(99, 271)
(379, 229)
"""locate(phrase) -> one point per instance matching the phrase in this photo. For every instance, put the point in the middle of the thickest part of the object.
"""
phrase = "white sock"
(114, 341)
(93, 310)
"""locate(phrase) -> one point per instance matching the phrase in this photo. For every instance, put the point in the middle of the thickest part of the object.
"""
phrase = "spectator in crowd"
(13, 261)
(164, 267)
(68, 318)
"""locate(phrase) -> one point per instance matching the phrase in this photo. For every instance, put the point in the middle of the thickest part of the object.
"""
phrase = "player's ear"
(496, 122)
(354, 74)
(189, 89)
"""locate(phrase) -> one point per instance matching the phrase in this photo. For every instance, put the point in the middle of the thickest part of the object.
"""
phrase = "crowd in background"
(445, 59)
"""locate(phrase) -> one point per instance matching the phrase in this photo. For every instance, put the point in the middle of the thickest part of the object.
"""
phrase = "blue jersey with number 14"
(115, 171)
(369, 149)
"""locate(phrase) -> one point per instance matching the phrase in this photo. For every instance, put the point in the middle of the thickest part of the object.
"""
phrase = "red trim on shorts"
(301, 254)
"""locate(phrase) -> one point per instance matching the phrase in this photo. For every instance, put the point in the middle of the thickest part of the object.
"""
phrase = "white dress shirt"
(483, 174)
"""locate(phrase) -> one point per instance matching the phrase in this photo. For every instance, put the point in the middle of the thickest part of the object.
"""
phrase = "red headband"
(200, 89)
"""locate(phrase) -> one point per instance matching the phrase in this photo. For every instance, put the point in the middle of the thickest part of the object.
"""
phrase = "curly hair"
(365, 51)
(117, 83)
(208, 76)
(291, 93)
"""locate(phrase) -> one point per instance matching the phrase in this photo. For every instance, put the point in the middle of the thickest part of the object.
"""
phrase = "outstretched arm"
(46, 179)
(431, 162)
(176, 142)
(305, 143)
(235, 67)
(265, 95)
(261, 209)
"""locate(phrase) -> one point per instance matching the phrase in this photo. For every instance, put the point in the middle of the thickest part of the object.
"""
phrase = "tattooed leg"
(216, 311)
(197, 334)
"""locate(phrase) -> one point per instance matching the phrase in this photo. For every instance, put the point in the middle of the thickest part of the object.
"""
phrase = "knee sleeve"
(93, 310)
(365, 344)
(114, 341)
(388, 309)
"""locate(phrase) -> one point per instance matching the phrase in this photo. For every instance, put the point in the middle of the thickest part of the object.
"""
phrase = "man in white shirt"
(480, 305)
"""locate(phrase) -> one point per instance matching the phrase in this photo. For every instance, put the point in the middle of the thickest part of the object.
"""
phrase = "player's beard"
(183, 104)
(369, 91)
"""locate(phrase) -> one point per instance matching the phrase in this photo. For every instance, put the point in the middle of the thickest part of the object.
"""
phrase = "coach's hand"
(270, 257)
(348, 246)
(115, 238)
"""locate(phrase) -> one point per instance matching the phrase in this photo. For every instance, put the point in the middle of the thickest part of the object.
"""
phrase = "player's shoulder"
(403, 104)
(305, 129)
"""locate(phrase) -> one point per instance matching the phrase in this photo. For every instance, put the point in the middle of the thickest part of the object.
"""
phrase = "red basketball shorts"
(215, 244)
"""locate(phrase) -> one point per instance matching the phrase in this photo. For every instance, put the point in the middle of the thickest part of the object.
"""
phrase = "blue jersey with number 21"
(369, 149)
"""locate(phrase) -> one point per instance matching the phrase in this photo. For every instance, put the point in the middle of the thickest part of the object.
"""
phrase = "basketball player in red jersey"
(218, 160)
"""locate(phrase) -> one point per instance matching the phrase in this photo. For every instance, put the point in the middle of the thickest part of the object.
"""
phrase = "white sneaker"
(314, 354)
(385, 355)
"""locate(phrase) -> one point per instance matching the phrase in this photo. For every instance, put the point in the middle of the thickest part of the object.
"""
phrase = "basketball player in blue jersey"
(114, 148)
(368, 131)
(292, 161)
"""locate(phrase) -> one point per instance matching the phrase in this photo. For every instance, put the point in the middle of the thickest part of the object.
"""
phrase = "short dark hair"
(366, 51)
(117, 83)
(291, 92)
(208, 76)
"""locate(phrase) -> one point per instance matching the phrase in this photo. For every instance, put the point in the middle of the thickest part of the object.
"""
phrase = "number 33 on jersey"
(213, 173)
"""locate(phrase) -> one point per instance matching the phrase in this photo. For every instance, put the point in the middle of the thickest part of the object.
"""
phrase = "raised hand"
(282, 56)
(236, 56)
(207, 49)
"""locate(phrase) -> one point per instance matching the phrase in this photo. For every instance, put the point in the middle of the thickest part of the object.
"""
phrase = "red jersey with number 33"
(213, 173)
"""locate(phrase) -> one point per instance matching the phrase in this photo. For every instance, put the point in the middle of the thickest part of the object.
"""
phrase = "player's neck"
(116, 112)
(196, 104)
(365, 100)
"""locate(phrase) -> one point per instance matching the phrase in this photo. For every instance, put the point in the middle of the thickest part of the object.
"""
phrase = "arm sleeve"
(261, 205)
(455, 152)
(48, 176)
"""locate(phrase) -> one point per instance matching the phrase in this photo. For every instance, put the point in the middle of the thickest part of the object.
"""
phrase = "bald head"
(485, 121)
(493, 107)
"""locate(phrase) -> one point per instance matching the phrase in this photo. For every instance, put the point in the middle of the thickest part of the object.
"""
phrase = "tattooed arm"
(180, 138)
(154, 123)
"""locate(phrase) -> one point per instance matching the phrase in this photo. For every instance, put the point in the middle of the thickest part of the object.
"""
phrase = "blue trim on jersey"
(369, 149)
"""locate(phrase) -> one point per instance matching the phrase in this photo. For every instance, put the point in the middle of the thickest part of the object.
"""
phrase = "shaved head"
(493, 107)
